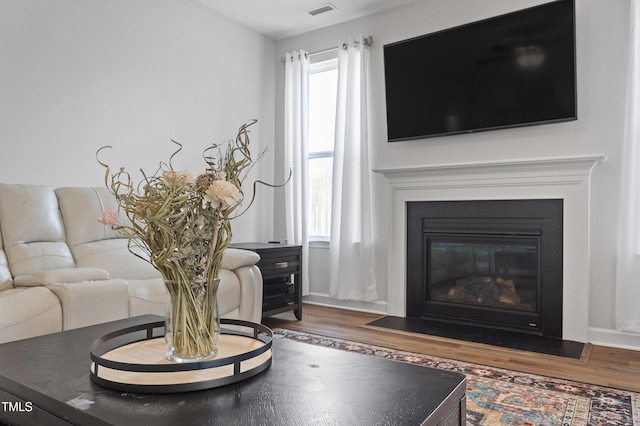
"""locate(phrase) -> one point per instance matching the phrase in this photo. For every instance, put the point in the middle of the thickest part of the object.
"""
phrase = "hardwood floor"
(598, 365)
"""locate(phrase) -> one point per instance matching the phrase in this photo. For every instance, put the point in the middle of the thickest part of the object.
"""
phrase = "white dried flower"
(178, 178)
(222, 194)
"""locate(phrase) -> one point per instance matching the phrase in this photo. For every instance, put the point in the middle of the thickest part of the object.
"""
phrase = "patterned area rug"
(504, 397)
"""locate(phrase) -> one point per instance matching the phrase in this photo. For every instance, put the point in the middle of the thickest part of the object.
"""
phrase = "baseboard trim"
(320, 299)
(614, 338)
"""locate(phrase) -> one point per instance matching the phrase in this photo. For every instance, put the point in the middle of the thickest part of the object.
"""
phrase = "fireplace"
(494, 263)
(563, 178)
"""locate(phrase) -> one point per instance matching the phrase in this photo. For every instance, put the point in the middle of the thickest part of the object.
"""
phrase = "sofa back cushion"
(81, 208)
(94, 244)
(32, 229)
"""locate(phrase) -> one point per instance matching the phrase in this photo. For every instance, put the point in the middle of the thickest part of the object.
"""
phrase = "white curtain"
(351, 273)
(628, 267)
(296, 119)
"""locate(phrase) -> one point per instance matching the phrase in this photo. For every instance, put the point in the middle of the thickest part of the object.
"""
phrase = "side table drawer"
(276, 266)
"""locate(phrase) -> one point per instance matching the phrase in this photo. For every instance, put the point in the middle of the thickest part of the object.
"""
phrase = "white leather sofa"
(61, 269)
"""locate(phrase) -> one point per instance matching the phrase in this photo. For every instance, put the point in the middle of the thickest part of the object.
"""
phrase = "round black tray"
(206, 374)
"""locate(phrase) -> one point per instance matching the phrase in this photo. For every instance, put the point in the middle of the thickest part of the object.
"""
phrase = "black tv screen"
(513, 70)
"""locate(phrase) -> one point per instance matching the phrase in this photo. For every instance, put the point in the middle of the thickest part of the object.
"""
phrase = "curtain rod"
(368, 41)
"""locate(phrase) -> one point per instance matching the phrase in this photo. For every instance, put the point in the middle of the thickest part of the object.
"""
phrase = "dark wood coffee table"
(45, 380)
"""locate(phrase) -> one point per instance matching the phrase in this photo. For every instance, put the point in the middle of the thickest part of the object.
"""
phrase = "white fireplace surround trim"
(565, 178)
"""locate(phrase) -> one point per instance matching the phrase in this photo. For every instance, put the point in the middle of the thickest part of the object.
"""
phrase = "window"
(323, 86)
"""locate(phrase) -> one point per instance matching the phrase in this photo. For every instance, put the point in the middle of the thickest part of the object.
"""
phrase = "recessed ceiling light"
(322, 9)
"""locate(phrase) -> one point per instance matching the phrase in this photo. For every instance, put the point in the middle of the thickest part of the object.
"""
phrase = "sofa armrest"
(237, 258)
(65, 275)
(92, 302)
(250, 308)
(28, 312)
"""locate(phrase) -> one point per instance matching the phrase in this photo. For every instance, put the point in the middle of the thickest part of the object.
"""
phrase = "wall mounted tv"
(512, 70)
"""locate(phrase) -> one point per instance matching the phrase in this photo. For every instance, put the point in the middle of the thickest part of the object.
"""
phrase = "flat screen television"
(516, 69)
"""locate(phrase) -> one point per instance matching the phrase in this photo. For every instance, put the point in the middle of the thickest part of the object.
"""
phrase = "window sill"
(323, 244)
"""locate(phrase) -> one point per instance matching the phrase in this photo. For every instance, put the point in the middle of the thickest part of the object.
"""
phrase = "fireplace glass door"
(483, 278)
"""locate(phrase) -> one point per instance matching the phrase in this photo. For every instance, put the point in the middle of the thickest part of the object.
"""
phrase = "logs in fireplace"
(495, 263)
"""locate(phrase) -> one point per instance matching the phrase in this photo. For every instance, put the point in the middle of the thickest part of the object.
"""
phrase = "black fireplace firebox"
(493, 263)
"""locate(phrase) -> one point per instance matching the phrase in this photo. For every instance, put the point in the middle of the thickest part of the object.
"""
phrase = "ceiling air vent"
(322, 9)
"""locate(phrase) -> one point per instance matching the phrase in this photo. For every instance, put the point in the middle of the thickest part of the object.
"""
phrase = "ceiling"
(279, 19)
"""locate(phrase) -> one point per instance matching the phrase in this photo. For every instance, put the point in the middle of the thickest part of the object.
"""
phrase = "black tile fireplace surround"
(489, 263)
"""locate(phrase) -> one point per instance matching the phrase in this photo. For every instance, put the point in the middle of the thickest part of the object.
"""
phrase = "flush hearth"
(494, 263)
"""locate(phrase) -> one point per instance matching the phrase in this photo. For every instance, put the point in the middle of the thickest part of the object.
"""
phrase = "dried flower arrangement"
(183, 225)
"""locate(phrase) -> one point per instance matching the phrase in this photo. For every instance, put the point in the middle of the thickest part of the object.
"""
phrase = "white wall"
(602, 42)
(77, 75)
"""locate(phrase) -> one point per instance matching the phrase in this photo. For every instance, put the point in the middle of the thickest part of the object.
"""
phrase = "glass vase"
(192, 325)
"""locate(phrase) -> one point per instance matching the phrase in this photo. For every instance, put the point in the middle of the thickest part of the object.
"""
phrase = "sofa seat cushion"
(28, 312)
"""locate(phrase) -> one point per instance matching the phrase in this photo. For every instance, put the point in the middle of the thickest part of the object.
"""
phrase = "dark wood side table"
(281, 267)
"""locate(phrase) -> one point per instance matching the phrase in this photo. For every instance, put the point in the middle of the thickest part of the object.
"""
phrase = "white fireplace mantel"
(565, 178)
